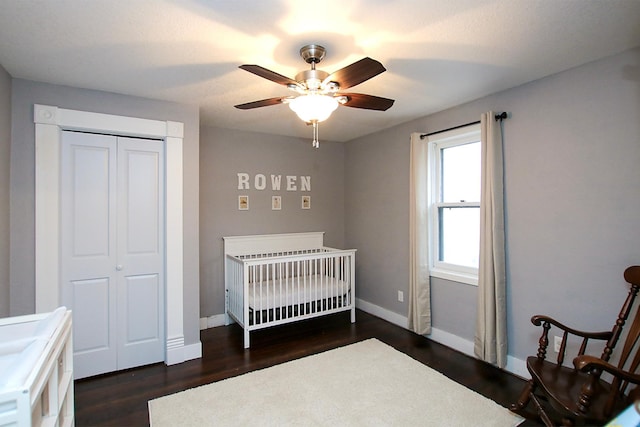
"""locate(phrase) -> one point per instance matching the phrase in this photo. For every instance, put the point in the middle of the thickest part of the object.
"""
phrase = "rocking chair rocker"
(579, 394)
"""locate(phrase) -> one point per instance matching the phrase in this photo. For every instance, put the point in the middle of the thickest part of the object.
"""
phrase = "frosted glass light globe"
(314, 107)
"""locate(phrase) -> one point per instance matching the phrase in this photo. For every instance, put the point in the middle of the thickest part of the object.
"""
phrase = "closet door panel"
(88, 248)
(140, 252)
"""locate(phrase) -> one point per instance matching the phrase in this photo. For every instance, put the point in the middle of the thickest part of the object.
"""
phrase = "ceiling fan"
(318, 92)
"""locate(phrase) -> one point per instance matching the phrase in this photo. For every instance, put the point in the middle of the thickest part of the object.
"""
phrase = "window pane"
(461, 173)
(460, 235)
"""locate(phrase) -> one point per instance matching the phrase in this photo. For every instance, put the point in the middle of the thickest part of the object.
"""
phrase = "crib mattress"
(292, 291)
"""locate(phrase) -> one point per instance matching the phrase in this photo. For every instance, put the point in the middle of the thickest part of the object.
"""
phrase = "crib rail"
(274, 288)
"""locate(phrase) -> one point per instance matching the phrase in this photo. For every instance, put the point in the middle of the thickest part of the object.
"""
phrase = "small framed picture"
(306, 202)
(276, 203)
(243, 203)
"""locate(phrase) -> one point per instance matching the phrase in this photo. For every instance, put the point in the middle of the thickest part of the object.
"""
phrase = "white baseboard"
(514, 365)
(450, 340)
(212, 321)
(192, 351)
(177, 352)
(182, 354)
(517, 367)
(383, 313)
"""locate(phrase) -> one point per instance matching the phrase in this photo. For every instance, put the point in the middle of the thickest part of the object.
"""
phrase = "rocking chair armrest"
(585, 363)
(539, 319)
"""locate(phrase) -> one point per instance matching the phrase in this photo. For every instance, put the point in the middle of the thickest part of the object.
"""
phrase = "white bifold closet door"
(112, 250)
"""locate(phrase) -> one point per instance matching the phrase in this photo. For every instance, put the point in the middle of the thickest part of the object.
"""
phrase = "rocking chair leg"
(541, 413)
(524, 398)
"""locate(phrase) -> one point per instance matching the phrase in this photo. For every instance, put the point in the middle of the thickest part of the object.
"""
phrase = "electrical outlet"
(556, 343)
(400, 296)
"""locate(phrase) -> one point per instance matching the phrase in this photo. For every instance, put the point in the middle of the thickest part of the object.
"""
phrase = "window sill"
(454, 276)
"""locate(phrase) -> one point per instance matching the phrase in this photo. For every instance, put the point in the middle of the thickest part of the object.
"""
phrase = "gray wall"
(223, 154)
(377, 215)
(572, 179)
(25, 94)
(5, 149)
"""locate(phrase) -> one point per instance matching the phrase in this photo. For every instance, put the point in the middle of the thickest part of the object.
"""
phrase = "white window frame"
(437, 142)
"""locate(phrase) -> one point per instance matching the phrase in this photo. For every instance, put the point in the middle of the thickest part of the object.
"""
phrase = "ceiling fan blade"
(368, 102)
(269, 75)
(261, 103)
(356, 73)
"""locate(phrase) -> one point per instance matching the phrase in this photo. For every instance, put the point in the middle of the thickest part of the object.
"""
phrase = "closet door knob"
(119, 267)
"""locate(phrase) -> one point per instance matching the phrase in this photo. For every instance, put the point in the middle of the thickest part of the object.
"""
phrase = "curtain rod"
(500, 117)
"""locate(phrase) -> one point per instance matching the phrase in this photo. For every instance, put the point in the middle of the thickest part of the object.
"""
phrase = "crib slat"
(342, 282)
(304, 275)
(258, 313)
(332, 280)
(316, 285)
(281, 283)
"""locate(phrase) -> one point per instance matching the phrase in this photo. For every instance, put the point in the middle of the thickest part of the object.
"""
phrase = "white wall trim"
(174, 238)
(514, 365)
(192, 351)
(175, 349)
(517, 367)
(212, 321)
(50, 121)
(450, 340)
(177, 352)
(383, 313)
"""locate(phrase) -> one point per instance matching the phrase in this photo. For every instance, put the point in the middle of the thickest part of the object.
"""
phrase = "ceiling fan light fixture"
(313, 107)
(331, 87)
(318, 91)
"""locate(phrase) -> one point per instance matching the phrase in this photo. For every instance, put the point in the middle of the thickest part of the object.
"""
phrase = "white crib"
(281, 278)
(36, 370)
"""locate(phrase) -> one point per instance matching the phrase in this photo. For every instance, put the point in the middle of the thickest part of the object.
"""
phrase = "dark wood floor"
(120, 399)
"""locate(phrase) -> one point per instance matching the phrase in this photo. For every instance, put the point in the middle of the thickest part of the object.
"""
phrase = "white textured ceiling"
(438, 53)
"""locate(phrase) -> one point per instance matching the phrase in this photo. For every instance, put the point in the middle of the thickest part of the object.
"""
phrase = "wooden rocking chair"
(579, 395)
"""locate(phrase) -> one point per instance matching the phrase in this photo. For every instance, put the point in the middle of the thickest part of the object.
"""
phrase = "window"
(454, 204)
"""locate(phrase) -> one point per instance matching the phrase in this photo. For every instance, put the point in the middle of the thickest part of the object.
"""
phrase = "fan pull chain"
(315, 143)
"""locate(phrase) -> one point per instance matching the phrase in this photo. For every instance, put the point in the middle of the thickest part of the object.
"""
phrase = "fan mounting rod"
(312, 54)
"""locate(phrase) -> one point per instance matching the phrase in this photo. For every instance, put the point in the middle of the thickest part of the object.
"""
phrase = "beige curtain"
(491, 329)
(419, 291)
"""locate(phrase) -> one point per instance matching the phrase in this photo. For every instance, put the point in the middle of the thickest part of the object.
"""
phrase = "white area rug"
(364, 384)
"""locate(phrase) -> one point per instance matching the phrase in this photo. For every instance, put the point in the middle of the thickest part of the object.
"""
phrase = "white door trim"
(49, 122)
